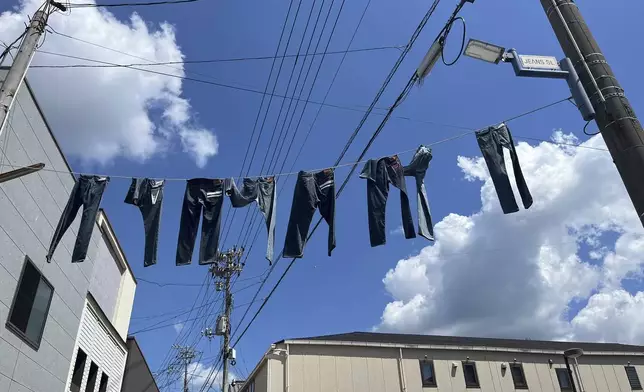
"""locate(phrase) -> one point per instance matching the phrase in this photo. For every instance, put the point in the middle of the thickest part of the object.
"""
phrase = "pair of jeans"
(491, 141)
(417, 168)
(379, 174)
(147, 194)
(312, 191)
(204, 197)
(87, 192)
(262, 191)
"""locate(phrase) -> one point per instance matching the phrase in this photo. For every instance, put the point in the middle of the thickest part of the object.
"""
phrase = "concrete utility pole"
(616, 118)
(186, 355)
(18, 70)
(228, 263)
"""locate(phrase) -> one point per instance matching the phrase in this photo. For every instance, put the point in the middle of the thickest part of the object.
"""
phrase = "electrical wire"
(590, 134)
(443, 41)
(91, 5)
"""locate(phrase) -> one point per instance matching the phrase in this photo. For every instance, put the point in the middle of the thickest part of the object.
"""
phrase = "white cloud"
(397, 231)
(101, 114)
(517, 275)
(178, 327)
(200, 374)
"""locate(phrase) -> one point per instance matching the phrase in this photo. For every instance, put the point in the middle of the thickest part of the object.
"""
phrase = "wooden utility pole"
(616, 119)
(186, 355)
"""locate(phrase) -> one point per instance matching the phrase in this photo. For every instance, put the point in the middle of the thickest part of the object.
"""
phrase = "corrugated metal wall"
(101, 348)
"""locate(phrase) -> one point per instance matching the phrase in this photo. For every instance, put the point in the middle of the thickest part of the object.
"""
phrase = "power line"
(90, 5)
(211, 61)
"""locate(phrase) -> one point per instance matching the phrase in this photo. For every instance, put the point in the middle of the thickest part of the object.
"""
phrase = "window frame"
(35, 344)
(633, 388)
(476, 374)
(517, 365)
(567, 373)
(90, 386)
(107, 382)
(426, 384)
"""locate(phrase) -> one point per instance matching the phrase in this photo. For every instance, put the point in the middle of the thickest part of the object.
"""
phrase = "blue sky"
(345, 292)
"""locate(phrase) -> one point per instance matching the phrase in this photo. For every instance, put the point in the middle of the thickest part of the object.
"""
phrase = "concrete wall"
(327, 368)
(30, 208)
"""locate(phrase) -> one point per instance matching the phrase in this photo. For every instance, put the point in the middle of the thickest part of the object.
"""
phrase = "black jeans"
(312, 191)
(147, 194)
(491, 141)
(261, 190)
(205, 197)
(87, 192)
(379, 174)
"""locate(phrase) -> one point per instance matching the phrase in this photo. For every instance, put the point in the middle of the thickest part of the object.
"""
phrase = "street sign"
(539, 62)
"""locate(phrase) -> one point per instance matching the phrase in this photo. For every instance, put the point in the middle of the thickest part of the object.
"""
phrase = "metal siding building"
(30, 209)
(372, 362)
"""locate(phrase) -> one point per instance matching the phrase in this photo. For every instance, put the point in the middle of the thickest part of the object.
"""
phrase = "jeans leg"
(425, 225)
(526, 197)
(327, 210)
(377, 193)
(91, 203)
(267, 201)
(69, 213)
(304, 204)
(190, 214)
(211, 223)
(493, 153)
(395, 174)
(151, 220)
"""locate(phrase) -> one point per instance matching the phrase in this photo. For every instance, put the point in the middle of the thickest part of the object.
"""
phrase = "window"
(250, 387)
(30, 305)
(102, 387)
(79, 368)
(469, 372)
(91, 378)
(633, 379)
(427, 373)
(518, 376)
(564, 379)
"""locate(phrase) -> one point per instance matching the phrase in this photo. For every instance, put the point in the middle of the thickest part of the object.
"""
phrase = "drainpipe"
(287, 381)
(401, 370)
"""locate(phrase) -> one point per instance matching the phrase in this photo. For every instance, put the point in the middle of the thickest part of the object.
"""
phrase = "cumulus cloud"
(555, 271)
(100, 114)
(178, 327)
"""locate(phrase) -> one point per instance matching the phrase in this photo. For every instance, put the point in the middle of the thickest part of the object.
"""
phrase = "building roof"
(405, 339)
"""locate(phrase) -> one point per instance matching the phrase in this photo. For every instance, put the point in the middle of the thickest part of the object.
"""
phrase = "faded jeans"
(87, 192)
(261, 190)
(417, 168)
(491, 141)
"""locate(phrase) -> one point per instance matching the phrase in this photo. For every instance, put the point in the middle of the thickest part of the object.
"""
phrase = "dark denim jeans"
(491, 141)
(261, 190)
(312, 191)
(417, 168)
(379, 174)
(147, 194)
(204, 196)
(87, 192)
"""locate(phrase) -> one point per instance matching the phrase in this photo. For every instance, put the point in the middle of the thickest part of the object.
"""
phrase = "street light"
(484, 51)
(536, 67)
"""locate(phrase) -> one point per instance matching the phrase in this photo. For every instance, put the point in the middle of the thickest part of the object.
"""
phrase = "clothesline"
(312, 170)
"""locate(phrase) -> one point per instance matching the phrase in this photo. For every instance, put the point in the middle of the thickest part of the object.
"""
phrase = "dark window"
(518, 376)
(633, 379)
(79, 368)
(564, 379)
(91, 378)
(427, 373)
(30, 305)
(102, 387)
(469, 372)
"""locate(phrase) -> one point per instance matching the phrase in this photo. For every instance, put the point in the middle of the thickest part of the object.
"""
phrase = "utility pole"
(185, 355)
(18, 70)
(616, 119)
(228, 263)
